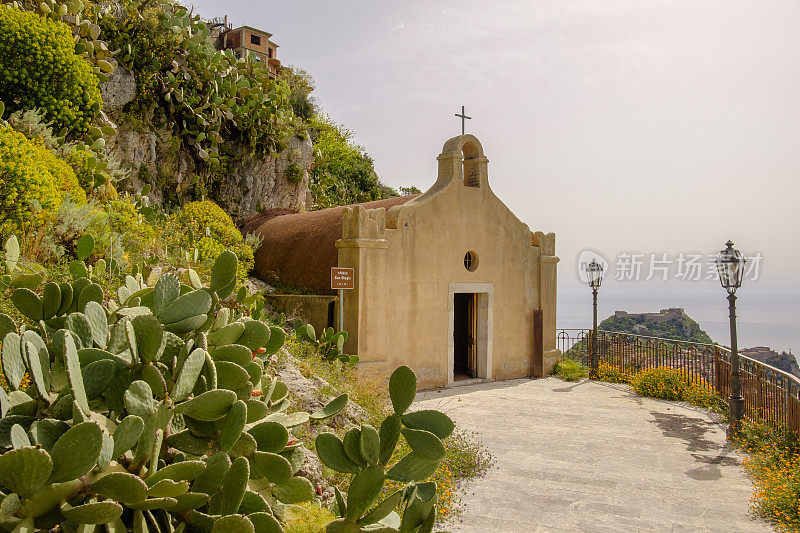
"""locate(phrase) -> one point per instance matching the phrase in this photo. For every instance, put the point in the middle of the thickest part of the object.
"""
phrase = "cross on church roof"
(463, 118)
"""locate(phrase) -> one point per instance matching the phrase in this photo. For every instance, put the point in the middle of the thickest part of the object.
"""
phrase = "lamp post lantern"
(730, 266)
(594, 274)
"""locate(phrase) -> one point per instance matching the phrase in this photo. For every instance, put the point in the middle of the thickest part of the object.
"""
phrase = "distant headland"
(675, 324)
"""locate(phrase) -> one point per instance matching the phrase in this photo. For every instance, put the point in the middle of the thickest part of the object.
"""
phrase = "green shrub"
(307, 517)
(673, 384)
(301, 85)
(73, 221)
(569, 370)
(612, 373)
(662, 382)
(144, 45)
(773, 462)
(96, 170)
(124, 220)
(205, 226)
(343, 172)
(41, 70)
(33, 180)
(294, 173)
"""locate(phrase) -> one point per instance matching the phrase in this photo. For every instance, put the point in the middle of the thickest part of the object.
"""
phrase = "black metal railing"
(770, 394)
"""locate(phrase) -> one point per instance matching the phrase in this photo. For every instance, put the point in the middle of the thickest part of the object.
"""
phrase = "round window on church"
(471, 261)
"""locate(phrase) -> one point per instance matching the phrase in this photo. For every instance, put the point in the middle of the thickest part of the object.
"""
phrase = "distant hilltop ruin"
(662, 316)
(672, 323)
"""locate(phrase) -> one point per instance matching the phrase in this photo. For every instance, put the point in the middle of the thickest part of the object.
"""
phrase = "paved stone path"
(595, 457)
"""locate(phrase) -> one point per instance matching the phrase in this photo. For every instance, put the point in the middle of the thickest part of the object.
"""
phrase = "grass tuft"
(570, 370)
(306, 517)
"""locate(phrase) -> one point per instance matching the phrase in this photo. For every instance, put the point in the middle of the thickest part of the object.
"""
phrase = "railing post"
(760, 404)
(595, 354)
(792, 418)
(718, 371)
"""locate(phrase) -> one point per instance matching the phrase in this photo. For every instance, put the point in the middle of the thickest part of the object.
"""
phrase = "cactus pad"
(120, 486)
(424, 443)
(265, 523)
(270, 436)
(28, 303)
(364, 490)
(25, 470)
(436, 422)
(233, 524)
(127, 434)
(296, 490)
(13, 363)
(332, 408)
(331, 452)
(189, 374)
(402, 389)
(275, 468)
(94, 513)
(232, 425)
(209, 406)
(76, 452)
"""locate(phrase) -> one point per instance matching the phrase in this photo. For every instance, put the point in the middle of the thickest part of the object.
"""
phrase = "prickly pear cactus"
(330, 344)
(366, 453)
(149, 413)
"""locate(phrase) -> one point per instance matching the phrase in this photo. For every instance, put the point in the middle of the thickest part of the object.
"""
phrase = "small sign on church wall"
(342, 278)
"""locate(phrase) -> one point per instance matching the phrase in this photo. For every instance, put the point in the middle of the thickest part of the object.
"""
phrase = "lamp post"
(594, 274)
(730, 265)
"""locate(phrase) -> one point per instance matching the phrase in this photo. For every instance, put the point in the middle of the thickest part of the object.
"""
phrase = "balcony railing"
(770, 394)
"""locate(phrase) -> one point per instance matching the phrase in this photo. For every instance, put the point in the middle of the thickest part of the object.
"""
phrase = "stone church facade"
(449, 282)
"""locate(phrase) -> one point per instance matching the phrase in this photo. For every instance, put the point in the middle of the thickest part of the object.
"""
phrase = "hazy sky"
(640, 126)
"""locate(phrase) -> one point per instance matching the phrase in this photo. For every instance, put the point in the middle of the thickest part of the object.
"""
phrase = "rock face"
(156, 156)
(118, 90)
(256, 184)
(306, 395)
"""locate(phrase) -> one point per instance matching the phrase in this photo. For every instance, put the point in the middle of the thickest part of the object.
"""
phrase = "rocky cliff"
(783, 361)
(154, 155)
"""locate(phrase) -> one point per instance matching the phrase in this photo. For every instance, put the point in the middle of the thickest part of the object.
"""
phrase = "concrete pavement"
(595, 457)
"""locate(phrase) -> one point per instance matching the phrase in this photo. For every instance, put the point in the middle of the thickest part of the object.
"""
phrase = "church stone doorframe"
(484, 292)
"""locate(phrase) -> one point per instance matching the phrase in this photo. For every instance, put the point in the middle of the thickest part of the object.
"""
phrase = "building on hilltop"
(244, 40)
(449, 282)
(662, 316)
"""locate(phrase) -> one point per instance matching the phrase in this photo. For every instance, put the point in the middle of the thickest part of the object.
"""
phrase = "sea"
(766, 316)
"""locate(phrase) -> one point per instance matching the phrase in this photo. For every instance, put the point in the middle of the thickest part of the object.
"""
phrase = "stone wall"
(312, 308)
(156, 157)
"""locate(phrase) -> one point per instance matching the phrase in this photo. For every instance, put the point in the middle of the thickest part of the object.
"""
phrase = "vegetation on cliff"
(41, 69)
(208, 97)
(124, 323)
(682, 328)
(783, 361)
(343, 172)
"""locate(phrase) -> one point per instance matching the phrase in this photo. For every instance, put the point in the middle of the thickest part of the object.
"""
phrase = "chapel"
(449, 282)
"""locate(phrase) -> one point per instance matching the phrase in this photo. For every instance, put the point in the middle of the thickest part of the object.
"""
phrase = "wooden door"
(472, 332)
(538, 345)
